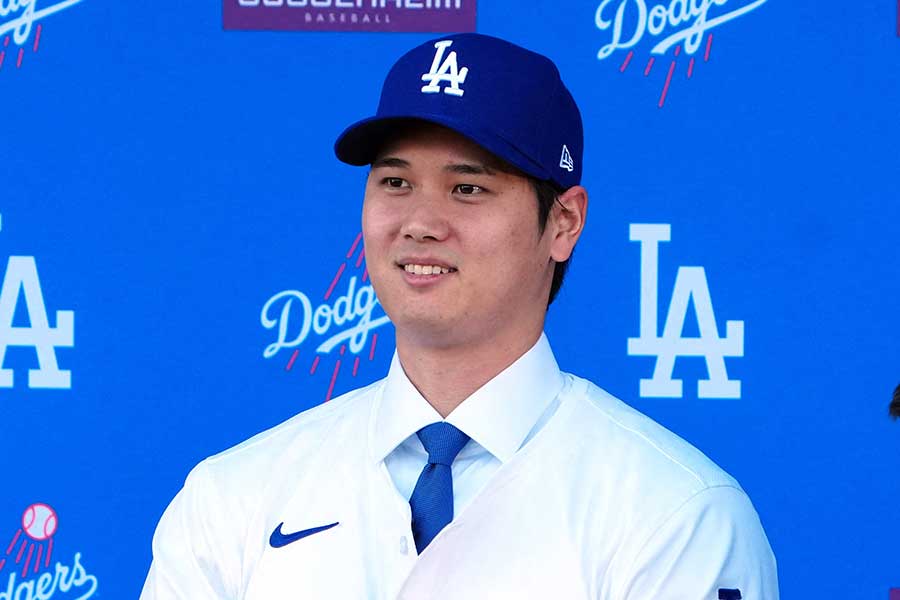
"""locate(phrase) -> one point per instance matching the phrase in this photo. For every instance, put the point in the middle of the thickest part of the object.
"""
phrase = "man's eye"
(394, 182)
(467, 189)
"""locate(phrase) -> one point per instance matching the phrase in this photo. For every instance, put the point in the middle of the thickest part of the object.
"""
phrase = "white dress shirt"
(562, 492)
(522, 398)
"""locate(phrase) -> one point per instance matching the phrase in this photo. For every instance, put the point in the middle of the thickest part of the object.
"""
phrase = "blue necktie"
(432, 498)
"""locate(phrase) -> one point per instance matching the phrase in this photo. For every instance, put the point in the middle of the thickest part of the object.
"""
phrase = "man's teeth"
(425, 269)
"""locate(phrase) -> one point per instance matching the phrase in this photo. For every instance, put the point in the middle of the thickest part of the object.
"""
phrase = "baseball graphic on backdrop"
(39, 521)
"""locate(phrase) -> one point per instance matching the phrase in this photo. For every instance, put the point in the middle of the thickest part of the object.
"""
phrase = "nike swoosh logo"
(278, 539)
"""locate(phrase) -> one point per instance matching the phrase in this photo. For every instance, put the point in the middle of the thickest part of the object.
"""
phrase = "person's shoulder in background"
(894, 407)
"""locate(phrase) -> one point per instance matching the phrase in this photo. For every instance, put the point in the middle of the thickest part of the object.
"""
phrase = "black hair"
(894, 408)
(547, 193)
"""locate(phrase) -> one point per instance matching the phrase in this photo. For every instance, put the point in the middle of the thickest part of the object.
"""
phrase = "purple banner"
(350, 15)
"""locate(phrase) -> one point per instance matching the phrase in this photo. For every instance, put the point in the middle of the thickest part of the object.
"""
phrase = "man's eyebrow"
(469, 169)
(390, 161)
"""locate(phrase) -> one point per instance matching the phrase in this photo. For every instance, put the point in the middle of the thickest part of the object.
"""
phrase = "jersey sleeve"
(712, 548)
(195, 556)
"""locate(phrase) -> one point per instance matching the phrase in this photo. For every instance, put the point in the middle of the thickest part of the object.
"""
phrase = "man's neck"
(447, 375)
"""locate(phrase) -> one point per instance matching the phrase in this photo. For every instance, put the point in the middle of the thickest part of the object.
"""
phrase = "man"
(476, 469)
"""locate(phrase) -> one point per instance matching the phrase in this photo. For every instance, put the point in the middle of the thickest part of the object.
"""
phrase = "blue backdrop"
(163, 179)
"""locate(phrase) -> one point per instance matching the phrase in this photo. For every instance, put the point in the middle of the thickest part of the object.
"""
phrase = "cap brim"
(360, 143)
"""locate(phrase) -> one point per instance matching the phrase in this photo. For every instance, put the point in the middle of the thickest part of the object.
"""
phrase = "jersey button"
(404, 546)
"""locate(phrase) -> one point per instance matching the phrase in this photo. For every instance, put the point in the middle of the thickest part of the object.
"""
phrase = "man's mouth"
(417, 269)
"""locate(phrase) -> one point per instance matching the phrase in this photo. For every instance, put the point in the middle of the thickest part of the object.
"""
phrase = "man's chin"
(428, 330)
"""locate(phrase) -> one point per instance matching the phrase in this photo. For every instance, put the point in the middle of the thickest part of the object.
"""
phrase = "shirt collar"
(498, 416)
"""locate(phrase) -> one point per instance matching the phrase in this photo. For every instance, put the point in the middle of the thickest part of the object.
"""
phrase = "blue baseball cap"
(508, 100)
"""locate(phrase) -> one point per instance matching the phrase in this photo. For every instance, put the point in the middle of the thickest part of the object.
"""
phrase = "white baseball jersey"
(563, 492)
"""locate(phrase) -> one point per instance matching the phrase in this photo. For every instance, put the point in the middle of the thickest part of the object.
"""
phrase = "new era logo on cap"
(565, 161)
(507, 99)
(444, 69)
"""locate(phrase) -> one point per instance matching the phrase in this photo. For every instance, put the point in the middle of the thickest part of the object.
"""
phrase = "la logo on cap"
(444, 70)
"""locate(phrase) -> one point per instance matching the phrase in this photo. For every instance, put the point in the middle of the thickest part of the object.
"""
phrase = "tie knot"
(442, 441)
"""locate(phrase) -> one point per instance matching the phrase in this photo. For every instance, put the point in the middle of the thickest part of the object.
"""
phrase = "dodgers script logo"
(690, 284)
(28, 558)
(22, 286)
(19, 17)
(343, 321)
(679, 25)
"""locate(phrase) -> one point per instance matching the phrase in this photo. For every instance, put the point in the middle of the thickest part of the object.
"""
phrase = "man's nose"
(426, 219)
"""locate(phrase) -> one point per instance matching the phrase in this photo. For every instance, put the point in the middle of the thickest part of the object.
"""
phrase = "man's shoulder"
(627, 441)
(299, 437)
(662, 498)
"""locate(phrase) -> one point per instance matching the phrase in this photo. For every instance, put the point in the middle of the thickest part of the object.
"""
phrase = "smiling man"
(459, 258)
(476, 468)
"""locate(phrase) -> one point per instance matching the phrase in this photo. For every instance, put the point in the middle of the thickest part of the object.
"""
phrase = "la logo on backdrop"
(691, 289)
(21, 291)
(681, 29)
(27, 568)
(18, 20)
(344, 323)
(350, 15)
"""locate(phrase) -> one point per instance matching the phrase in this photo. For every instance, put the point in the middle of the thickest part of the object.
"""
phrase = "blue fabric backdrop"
(168, 178)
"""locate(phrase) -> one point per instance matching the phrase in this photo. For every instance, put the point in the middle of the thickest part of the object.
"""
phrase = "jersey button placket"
(397, 530)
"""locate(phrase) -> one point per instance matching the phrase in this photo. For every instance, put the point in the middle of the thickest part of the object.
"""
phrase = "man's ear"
(567, 221)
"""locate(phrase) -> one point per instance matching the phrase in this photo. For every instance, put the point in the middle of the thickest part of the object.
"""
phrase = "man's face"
(452, 243)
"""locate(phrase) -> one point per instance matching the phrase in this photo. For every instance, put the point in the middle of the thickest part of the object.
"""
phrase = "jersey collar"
(498, 416)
